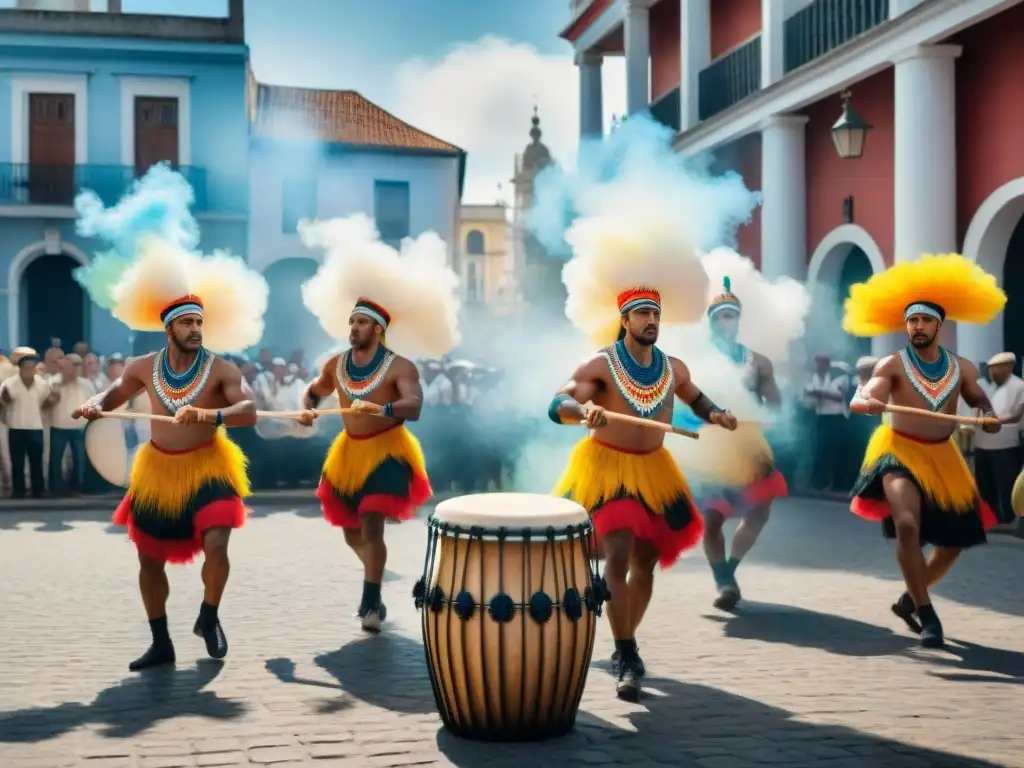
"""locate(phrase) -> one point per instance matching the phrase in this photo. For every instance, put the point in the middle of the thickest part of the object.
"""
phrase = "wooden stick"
(907, 411)
(129, 415)
(132, 416)
(623, 418)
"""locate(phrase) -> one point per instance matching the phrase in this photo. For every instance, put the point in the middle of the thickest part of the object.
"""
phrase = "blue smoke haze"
(640, 148)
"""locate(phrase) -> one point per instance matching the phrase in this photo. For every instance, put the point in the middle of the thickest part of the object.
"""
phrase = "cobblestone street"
(812, 671)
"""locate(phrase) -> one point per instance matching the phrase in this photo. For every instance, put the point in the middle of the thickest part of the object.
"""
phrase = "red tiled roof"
(283, 112)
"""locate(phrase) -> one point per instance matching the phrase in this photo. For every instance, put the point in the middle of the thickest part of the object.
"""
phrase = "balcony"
(33, 184)
(730, 79)
(666, 109)
(827, 24)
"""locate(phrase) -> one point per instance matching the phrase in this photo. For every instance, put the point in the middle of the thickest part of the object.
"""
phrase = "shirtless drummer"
(188, 482)
(913, 477)
(641, 506)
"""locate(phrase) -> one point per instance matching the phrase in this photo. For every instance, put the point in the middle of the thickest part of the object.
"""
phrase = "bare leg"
(714, 537)
(905, 507)
(354, 539)
(374, 557)
(155, 589)
(216, 568)
(940, 562)
(748, 531)
(643, 561)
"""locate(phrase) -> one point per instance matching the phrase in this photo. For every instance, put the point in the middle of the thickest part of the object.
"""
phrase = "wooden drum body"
(509, 613)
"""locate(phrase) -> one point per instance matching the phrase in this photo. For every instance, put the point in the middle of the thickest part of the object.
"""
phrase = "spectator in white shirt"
(93, 371)
(23, 397)
(68, 393)
(997, 456)
(437, 388)
(826, 395)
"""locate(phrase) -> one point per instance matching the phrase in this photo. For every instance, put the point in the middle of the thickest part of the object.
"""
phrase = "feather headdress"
(233, 297)
(956, 287)
(772, 312)
(413, 292)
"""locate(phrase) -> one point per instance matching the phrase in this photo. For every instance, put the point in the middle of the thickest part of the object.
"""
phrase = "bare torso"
(903, 393)
(388, 392)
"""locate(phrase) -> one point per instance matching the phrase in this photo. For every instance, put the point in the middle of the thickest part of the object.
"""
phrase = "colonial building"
(488, 270)
(759, 84)
(91, 100)
(324, 154)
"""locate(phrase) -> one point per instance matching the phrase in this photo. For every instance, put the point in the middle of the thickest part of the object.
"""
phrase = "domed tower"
(537, 274)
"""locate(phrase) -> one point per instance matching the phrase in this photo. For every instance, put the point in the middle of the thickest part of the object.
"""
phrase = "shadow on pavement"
(679, 724)
(771, 623)
(128, 708)
(386, 671)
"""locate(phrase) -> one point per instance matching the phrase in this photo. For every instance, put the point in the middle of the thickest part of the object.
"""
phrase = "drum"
(110, 445)
(509, 604)
(1017, 499)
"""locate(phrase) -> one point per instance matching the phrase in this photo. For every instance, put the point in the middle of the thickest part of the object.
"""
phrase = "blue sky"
(469, 71)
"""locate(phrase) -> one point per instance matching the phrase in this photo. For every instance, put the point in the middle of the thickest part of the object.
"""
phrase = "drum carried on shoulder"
(509, 603)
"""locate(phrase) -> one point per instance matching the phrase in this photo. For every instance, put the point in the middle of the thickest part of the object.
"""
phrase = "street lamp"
(850, 131)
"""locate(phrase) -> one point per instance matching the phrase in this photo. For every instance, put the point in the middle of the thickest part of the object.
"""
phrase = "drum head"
(510, 510)
(108, 449)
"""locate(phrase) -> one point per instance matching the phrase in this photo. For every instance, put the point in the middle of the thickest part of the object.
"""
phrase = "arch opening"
(475, 243)
(51, 303)
(289, 326)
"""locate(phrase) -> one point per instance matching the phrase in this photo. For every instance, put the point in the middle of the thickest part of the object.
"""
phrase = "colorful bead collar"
(176, 390)
(645, 389)
(358, 382)
(934, 382)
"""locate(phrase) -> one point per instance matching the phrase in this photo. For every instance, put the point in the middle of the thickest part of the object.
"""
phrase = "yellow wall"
(490, 266)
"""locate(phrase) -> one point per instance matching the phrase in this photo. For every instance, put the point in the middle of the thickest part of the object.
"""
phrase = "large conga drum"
(509, 605)
(111, 444)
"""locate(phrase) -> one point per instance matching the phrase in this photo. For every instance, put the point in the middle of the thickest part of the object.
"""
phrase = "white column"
(591, 106)
(899, 7)
(924, 156)
(637, 33)
(773, 62)
(695, 45)
(784, 189)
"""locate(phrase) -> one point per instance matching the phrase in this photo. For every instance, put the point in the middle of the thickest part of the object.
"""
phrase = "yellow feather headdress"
(966, 293)
(233, 297)
(415, 287)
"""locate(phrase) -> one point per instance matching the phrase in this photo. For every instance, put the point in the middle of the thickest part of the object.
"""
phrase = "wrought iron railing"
(827, 24)
(37, 184)
(730, 79)
(666, 109)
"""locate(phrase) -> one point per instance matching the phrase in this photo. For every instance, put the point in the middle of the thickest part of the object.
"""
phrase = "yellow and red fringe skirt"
(746, 478)
(644, 493)
(952, 512)
(175, 496)
(383, 472)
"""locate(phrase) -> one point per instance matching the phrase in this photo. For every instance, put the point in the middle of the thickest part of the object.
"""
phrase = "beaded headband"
(375, 312)
(639, 298)
(186, 305)
(725, 300)
(925, 308)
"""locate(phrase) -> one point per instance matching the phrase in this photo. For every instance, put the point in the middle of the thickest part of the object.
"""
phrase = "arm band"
(703, 408)
(555, 404)
(388, 411)
(313, 398)
(220, 418)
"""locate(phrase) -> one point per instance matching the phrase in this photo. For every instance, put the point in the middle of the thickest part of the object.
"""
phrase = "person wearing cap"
(825, 394)
(69, 390)
(998, 455)
(23, 397)
(914, 479)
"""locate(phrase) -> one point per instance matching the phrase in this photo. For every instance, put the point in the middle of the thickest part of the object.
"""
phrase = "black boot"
(931, 627)
(208, 627)
(372, 610)
(904, 608)
(161, 651)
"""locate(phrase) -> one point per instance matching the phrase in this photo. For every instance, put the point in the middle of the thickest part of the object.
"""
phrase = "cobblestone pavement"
(814, 673)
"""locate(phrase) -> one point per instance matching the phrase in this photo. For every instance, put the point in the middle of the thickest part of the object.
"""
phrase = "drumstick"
(321, 412)
(623, 418)
(136, 416)
(907, 411)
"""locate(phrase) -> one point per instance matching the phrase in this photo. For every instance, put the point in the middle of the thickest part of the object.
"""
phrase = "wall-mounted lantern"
(850, 131)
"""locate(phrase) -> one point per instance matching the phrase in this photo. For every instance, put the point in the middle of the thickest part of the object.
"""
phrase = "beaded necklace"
(935, 382)
(176, 390)
(645, 389)
(358, 382)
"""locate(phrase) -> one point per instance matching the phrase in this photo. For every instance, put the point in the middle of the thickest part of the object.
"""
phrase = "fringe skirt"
(952, 512)
(644, 493)
(174, 496)
(383, 472)
(744, 477)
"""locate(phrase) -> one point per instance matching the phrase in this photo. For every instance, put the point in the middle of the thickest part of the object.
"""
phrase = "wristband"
(220, 419)
(555, 405)
(388, 412)
(314, 399)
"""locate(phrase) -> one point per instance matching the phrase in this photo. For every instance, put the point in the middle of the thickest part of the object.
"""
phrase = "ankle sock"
(927, 614)
(732, 564)
(371, 595)
(626, 648)
(159, 629)
(721, 572)
(207, 614)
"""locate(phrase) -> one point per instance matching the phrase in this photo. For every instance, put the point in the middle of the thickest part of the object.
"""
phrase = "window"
(391, 210)
(475, 243)
(298, 201)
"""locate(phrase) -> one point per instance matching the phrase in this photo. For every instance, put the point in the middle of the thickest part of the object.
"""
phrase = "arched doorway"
(289, 325)
(52, 303)
(846, 256)
(1013, 284)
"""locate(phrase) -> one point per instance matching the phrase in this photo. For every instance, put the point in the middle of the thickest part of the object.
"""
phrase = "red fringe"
(225, 513)
(877, 510)
(633, 516)
(340, 515)
(759, 493)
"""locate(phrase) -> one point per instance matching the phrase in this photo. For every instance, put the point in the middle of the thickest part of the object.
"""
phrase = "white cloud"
(481, 97)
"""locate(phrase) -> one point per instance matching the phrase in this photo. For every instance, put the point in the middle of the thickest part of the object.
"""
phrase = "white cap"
(1003, 358)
